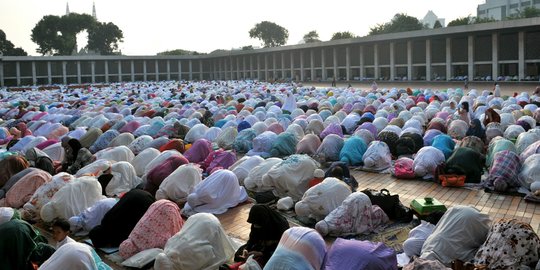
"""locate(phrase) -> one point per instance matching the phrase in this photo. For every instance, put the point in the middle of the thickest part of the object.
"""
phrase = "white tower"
(94, 10)
(67, 8)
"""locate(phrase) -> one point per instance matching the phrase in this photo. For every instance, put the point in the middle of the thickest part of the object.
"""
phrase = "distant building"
(431, 18)
(93, 10)
(500, 9)
(494, 51)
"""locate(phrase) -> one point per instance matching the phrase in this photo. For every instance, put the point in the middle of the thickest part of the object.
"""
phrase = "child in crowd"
(60, 228)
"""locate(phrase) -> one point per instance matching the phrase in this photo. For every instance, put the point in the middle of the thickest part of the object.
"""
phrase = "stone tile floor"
(497, 206)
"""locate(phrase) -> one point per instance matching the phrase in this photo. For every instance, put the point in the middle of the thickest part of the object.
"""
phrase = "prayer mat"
(364, 169)
(392, 236)
(510, 192)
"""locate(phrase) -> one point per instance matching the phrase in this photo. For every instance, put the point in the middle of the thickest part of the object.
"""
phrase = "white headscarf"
(144, 158)
(124, 179)
(180, 183)
(323, 198)
(95, 168)
(55, 151)
(91, 216)
(195, 133)
(72, 199)
(123, 139)
(217, 193)
(291, 176)
(212, 133)
(119, 153)
(71, 256)
(254, 181)
(458, 235)
(201, 244)
(6, 214)
(160, 159)
(43, 195)
(243, 166)
(290, 103)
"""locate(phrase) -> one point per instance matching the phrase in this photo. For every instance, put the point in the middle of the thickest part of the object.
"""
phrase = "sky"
(152, 26)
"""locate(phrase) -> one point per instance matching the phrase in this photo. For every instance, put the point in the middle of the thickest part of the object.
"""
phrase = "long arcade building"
(504, 50)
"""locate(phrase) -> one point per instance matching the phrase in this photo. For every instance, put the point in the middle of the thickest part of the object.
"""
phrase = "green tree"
(469, 20)
(104, 38)
(461, 21)
(218, 51)
(530, 12)
(179, 52)
(311, 37)
(437, 24)
(483, 20)
(247, 48)
(400, 23)
(46, 35)
(342, 35)
(56, 35)
(7, 48)
(271, 34)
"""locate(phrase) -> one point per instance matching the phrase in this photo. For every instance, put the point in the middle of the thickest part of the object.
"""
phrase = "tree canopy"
(7, 48)
(57, 35)
(527, 12)
(179, 52)
(311, 37)
(342, 35)
(271, 34)
(530, 12)
(437, 24)
(461, 21)
(400, 23)
(104, 38)
(469, 20)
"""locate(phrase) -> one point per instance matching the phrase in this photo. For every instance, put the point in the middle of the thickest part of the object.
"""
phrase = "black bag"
(390, 204)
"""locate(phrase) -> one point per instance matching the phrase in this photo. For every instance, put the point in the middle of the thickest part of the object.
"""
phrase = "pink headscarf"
(308, 145)
(160, 222)
(46, 143)
(130, 127)
(276, 128)
(22, 191)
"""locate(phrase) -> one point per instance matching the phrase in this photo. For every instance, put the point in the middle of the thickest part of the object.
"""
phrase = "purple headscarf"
(198, 152)
(355, 254)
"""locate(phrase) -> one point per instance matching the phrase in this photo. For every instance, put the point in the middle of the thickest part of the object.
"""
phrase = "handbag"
(452, 180)
(390, 204)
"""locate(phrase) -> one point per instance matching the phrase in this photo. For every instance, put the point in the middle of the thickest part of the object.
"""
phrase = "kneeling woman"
(118, 223)
(201, 244)
(215, 194)
(267, 226)
(76, 157)
(457, 236)
(159, 223)
(511, 244)
(299, 248)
